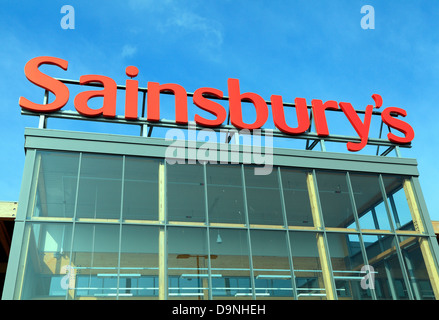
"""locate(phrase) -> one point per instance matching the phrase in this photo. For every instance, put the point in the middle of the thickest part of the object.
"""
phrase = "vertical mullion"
(386, 203)
(120, 225)
(74, 224)
(395, 239)
(432, 243)
(32, 158)
(403, 268)
(414, 210)
(357, 223)
(34, 184)
(423, 242)
(421, 208)
(13, 281)
(247, 223)
(395, 212)
(412, 278)
(322, 241)
(386, 264)
(206, 208)
(163, 288)
(287, 239)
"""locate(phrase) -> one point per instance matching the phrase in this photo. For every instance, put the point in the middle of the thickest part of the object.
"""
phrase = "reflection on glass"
(46, 261)
(225, 194)
(402, 218)
(388, 277)
(416, 269)
(335, 200)
(296, 197)
(95, 259)
(270, 264)
(100, 187)
(230, 264)
(139, 262)
(54, 185)
(369, 201)
(187, 264)
(185, 192)
(307, 268)
(263, 198)
(101, 267)
(140, 191)
(347, 263)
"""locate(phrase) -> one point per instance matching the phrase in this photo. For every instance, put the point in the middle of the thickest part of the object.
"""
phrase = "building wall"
(106, 217)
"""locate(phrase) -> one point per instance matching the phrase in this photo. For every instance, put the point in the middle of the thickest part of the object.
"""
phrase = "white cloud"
(149, 4)
(193, 22)
(128, 51)
(171, 17)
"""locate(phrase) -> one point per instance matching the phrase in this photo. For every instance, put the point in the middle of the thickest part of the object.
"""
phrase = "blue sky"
(310, 49)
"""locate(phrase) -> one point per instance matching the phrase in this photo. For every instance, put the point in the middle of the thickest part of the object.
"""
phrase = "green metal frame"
(55, 140)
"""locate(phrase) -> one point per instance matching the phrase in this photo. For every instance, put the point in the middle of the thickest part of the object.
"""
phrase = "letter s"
(44, 81)
(397, 124)
(208, 105)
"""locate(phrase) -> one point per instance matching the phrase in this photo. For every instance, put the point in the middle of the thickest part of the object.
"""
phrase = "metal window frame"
(54, 140)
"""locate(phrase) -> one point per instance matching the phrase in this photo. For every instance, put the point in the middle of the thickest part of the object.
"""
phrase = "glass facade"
(106, 226)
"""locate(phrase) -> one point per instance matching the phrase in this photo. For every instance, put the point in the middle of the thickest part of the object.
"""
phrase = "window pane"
(100, 187)
(416, 269)
(307, 268)
(230, 264)
(55, 177)
(95, 259)
(369, 201)
(139, 262)
(335, 200)
(296, 198)
(388, 278)
(187, 263)
(402, 218)
(140, 189)
(263, 198)
(270, 264)
(185, 192)
(46, 254)
(225, 194)
(347, 263)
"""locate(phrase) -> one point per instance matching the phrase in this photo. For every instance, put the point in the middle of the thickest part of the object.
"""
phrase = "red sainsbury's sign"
(202, 101)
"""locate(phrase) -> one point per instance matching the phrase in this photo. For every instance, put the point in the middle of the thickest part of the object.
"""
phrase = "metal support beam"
(321, 246)
(70, 115)
(312, 145)
(163, 287)
(433, 272)
(288, 242)
(8, 210)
